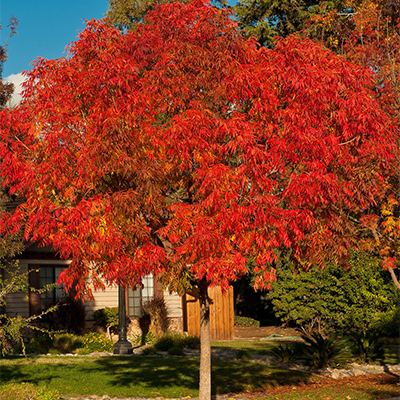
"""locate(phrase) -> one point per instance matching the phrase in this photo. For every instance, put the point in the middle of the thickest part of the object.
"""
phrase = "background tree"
(267, 19)
(127, 14)
(182, 148)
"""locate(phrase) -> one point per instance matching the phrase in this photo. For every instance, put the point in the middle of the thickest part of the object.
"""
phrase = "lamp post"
(122, 346)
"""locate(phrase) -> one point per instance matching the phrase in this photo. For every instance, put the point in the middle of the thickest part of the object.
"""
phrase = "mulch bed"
(389, 384)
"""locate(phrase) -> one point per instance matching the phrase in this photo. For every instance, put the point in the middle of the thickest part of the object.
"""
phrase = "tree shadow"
(235, 377)
(134, 375)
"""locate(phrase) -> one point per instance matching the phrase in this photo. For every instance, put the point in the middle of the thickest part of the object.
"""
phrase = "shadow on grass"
(143, 376)
(234, 377)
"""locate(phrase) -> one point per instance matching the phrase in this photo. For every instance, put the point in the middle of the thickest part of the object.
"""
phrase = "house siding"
(102, 299)
(18, 303)
(174, 304)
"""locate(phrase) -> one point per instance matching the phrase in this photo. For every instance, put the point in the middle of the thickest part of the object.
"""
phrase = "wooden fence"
(221, 314)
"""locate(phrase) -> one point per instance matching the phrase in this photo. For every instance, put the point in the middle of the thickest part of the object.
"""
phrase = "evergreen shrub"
(335, 299)
(106, 317)
(245, 321)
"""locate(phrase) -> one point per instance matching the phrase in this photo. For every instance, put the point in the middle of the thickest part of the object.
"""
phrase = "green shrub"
(14, 330)
(164, 343)
(26, 391)
(285, 353)
(335, 299)
(149, 351)
(244, 321)
(176, 350)
(96, 342)
(190, 342)
(106, 317)
(40, 343)
(140, 339)
(320, 352)
(387, 323)
(66, 342)
(367, 346)
(69, 316)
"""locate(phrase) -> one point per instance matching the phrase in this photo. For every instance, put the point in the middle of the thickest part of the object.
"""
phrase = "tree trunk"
(394, 278)
(205, 343)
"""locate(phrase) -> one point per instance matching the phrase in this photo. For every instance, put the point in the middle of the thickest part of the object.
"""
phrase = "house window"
(49, 275)
(137, 297)
(39, 277)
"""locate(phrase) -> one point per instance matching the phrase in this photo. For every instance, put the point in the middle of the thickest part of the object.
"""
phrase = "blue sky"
(45, 28)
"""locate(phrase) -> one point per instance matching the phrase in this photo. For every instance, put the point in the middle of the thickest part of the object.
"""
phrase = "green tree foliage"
(266, 19)
(336, 299)
(126, 14)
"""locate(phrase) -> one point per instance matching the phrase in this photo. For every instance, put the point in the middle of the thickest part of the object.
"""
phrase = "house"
(184, 312)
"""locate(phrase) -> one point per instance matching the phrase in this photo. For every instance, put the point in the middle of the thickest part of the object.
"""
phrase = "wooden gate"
(221, 314)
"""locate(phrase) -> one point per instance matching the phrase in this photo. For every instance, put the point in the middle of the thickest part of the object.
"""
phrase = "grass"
(169, 377)
(173, 377)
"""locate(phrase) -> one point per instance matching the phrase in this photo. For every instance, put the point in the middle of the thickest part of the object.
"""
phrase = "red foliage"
(181, 145)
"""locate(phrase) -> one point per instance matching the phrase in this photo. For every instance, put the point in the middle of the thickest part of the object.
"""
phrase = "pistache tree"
(182, 148)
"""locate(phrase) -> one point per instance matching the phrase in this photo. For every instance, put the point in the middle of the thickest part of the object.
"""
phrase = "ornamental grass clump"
(367, 346)
(285, 353)
(319, 352)
(154, 317)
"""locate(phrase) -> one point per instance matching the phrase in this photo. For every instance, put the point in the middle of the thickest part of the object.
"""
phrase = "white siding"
(174, 304)
(102, 299)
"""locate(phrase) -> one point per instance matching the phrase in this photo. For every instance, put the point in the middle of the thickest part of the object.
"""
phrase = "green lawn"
(140, 376)
(172, 377)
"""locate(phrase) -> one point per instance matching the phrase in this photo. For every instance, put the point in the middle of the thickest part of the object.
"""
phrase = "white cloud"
(17, 80)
